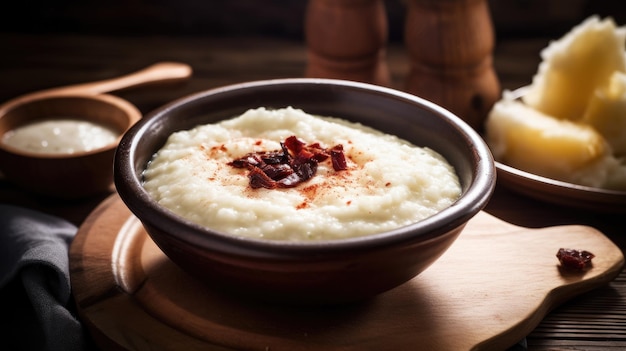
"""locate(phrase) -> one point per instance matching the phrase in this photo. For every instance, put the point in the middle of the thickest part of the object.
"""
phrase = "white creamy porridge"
(387, 183)
(60, 136)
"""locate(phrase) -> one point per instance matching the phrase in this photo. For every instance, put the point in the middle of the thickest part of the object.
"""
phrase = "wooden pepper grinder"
(450, 44)
(346, 39)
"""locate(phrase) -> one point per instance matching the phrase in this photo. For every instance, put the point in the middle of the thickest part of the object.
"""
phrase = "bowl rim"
(149, 212)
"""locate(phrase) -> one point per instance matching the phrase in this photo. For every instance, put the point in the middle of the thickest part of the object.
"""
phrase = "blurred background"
(48, 43)
(277, 18)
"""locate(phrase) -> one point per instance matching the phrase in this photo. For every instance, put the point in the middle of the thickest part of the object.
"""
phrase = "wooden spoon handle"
(163, 72)
(158, 73)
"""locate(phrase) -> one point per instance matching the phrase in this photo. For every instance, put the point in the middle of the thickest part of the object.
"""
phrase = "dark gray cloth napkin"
(36, 310)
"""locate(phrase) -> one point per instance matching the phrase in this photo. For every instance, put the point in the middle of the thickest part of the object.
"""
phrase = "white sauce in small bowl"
(60, 136)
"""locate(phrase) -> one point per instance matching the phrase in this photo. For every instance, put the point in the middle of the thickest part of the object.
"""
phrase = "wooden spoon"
(162, 72)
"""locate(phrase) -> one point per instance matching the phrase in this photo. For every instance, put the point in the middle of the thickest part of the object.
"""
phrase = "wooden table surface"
(592, 321)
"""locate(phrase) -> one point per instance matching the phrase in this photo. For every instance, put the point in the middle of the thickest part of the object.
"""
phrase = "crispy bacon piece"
(294, 144)
(258, 179)
(338, 158)
(574, 259)
(295, 163)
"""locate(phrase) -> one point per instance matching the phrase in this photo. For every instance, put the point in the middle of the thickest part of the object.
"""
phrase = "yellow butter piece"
(606, 112)
(527, 139)
(574, 66)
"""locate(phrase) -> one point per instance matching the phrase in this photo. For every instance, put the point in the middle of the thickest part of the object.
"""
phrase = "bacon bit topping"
(574, 259)
(338, 158)
(295, 163)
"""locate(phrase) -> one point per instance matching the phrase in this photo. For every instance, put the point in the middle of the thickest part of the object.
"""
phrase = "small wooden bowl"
(75, 175)
(79, 174)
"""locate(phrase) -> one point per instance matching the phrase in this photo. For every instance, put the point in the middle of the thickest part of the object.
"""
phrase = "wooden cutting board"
(487, 292)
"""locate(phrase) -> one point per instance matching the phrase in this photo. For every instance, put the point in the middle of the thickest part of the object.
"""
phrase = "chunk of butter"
(606, 112)
(528, 139)
(575, 65)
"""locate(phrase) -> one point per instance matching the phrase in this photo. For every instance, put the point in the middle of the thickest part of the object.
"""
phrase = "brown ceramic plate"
(559, 192)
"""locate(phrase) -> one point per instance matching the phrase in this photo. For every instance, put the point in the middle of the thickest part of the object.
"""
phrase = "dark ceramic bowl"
(312, 272)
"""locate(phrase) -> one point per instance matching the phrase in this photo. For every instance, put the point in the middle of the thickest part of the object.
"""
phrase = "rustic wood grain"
(488, 291)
